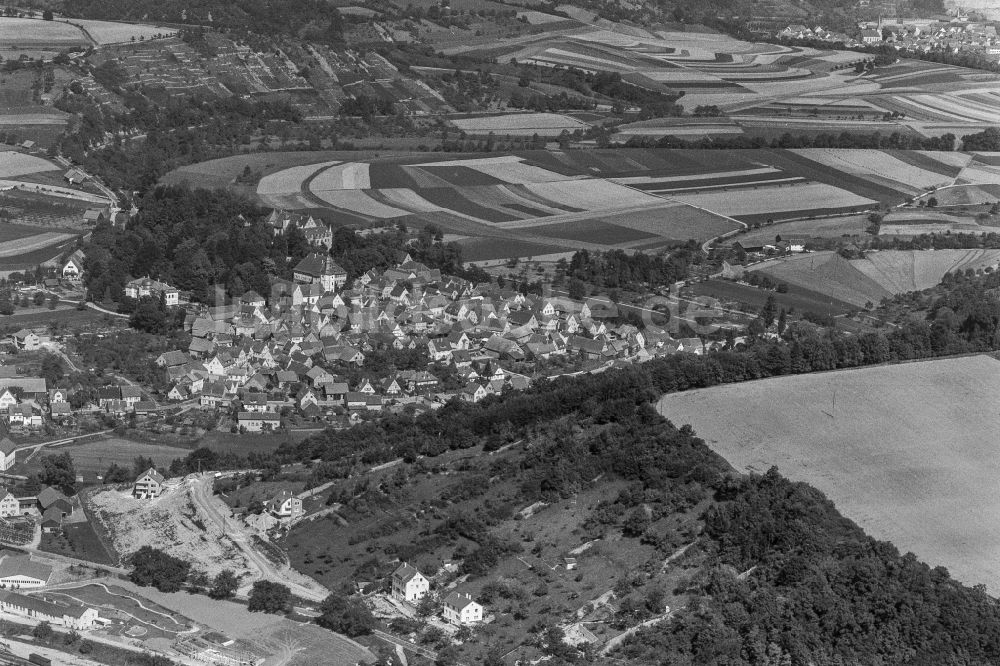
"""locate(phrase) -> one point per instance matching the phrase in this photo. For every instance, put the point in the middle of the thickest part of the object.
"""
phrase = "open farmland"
(879, 275)
(26, 33)
(908, 451)
(566, 200)
(519, 124)
(23, 246)
(95, 457)
(113, 32)
(13, 164)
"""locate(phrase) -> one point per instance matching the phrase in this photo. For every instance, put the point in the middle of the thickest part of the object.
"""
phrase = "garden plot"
(171, 523)
(14, 164)
(804, 197)
(521, 124)
(908, 452)
(875, 162)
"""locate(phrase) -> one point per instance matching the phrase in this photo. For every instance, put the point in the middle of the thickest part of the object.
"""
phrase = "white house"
(73, 268)
(148, 485)
(7, 449)
(9, 505)
(284, 505)
(462, 610)
(27, 340)
(408, 584)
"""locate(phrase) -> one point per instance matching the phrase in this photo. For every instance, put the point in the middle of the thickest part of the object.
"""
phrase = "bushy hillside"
(313, 20)
(762, 570)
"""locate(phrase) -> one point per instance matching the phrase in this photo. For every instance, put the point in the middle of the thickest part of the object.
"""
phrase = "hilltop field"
(907, 451)
(535, 202)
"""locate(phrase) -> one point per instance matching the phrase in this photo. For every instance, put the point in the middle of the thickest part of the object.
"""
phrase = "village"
(948, 35)
(301, 351)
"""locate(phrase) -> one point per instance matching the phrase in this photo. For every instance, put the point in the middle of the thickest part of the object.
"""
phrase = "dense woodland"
(310, 20)
(197, 239)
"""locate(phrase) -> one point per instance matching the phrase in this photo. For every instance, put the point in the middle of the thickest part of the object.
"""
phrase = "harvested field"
(520, 124)
(30, 244)
(14, 164)
(357, 201)
(289, 181)
(171, 523)
(37, 33)
(764, 200)
(868, 163)
(594, 194)
(112, 32)
(908, 453)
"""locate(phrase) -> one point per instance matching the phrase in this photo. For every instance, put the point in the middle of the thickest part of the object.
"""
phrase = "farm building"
(148, 485)
(21, 571)
(462, 610)
(408, 584)
(71, 617)
(9, 505)
(50, 498)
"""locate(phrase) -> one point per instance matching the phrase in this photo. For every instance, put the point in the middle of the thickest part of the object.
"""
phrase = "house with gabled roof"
(462, 610)
(408, 584)
(148, 485)
(7, 449)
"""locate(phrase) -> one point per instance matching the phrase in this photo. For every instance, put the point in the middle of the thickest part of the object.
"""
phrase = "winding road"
(215, 510)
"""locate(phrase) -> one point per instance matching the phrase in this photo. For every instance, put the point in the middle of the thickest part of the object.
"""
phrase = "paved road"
(216, 511)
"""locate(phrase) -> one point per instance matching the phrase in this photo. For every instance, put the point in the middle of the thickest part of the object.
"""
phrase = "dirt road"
(215, 510)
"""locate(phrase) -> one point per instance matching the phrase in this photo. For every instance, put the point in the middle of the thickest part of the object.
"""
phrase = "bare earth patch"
(908, 451)
(171, 523)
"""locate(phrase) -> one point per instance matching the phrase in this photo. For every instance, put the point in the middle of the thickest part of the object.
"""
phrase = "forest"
(197, 239)
(311, 20)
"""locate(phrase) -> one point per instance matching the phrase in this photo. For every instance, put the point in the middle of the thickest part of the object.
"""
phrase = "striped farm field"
(874, 163)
